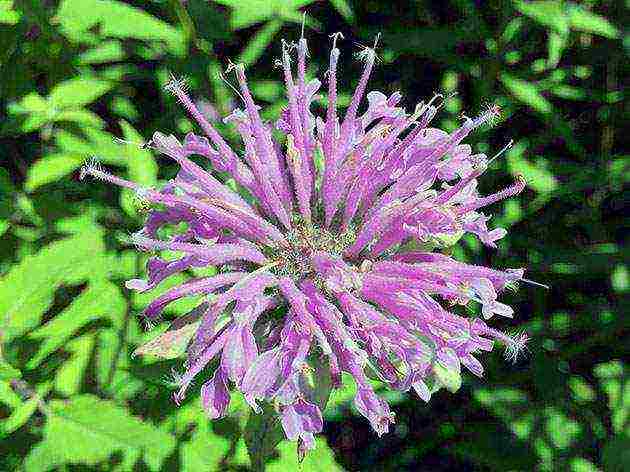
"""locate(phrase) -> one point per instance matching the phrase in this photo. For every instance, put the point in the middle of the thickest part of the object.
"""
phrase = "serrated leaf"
(87, 430)
(50, 169)
(78, 92)
(27, 290)
(101, 299)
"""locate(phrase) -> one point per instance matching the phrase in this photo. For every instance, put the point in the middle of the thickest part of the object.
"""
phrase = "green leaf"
(263, 433)
(78, 92)
(205, 450)
(321, 458)
(27, 290)
(245, 14)
(141, 167)
(526, 92)
(21, 414)
(8, 16)
(108, 51)
(70, 375)
(344, 9)
(583, 20)
(8, 372)
(550, 13)
(87, 430)
(536, 175)
(8, 396)
(556, 45)
(101, 299)
(260, 42)
(50, 169)
(116, 19)
(79, 116)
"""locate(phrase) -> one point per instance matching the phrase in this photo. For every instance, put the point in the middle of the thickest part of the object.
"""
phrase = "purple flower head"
(315, 243)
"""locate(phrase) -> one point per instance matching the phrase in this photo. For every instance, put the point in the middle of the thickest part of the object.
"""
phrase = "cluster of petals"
(326, 232)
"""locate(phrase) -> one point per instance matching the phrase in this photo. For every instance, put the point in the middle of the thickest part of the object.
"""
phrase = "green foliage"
(89, 430)
(75, 75)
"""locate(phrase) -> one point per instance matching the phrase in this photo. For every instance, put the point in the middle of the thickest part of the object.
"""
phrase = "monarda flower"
(326, 235)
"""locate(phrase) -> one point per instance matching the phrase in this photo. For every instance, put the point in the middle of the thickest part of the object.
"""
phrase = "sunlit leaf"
(526, 92)
(583, 20)
(27, 290)
(344, 9)
(551, 13)
(78, 92)
(259, 43)
(70, 375)
(536, 175)
(22, 413)
(87, 430)
(108, 51)
(50, 169)
(101, 299)
(115, 19)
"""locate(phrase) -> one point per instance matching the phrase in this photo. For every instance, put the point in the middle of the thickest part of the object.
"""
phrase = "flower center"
(304, 240)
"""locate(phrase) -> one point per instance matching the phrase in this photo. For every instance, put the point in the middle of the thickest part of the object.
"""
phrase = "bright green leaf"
(583, 20)
(108, 51)
(87, 430)
(27, 290)
(101, 299)
(50, 169)
(116, 19)
(526, 92)
(78, 92)
(260, 42)
(344, 9)
(70, 375)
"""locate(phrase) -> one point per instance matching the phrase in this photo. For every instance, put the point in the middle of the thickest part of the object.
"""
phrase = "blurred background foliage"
(79, 76)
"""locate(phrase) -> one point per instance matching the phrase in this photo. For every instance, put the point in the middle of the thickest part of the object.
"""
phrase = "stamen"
(490, 115)
(505, 148)
(176, 86)
(336, 36)
(139, 144)
(508, 192)
(93, 168)
(227, 82)
(515, 346)
(536, 284)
